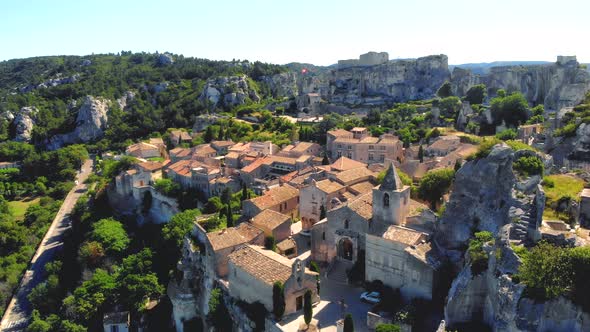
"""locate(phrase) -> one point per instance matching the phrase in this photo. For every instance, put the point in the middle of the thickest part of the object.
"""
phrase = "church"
(386, 229)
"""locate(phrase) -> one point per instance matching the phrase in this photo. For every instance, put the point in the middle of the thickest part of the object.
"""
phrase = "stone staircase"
(523, 216)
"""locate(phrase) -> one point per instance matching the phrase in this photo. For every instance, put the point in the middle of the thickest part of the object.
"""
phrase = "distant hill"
(484, 67)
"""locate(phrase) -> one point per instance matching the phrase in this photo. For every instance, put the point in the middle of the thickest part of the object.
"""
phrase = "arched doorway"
(345, 249)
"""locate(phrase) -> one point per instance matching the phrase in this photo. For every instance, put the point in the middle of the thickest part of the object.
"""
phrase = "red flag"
(304, 70)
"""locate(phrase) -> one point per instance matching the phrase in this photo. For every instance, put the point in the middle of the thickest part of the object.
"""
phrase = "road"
(19, 309)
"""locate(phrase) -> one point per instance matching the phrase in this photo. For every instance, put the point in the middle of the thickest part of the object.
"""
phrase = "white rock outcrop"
(24, 123)
(90, 124)
(228, 91)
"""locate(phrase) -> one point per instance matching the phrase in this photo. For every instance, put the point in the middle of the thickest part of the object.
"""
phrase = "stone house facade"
(273, 224)
(253, 271)
(283, 199)
(318, 195)
(360, 146)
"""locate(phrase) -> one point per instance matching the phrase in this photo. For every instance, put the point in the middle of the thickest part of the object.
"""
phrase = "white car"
(372, 297)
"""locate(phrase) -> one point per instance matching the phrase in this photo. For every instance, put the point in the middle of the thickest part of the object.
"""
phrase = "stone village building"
(358, 145)
(389, 231)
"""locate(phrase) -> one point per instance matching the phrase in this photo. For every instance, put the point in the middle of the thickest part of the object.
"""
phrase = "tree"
(511, 109)
(221, 134)
(545, 271)
(307, 309)
(278, 300)
(421, 154)
(229, 216)
(322, 212)
(37, 324)
(476, 94)
(110, 234)
(244, 192)
(435, 184)
(506, 135)
(325, 160)
(213, 205)
(528, 165)
(88, 299)
(178, 226)
(269, 243)
(445, 90)
(348, 323)
(136, 281)
(218, 314)
(208, 135)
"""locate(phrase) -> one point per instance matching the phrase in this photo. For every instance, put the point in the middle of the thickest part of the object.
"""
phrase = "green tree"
(136, 281)
(348, 323)
(325, 160)
(435, 184)
(218, 314)
(421, 154)
(511, 109)
(110, 234)
(37, 324)
(445, 90)
(208, 135)
(213, 205)
(476, 94)
(528, 165)
(506, 135)
(269, 243)
(545, 271)
(178, 227)
(307, 309)
(229, 215)
(278, 300)
(89, 298)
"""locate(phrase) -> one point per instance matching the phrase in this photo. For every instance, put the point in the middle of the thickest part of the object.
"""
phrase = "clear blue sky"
(281, 31)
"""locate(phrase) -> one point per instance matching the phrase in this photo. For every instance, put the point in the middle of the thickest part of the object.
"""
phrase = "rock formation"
(165, 59)
(23, 124)
(127, 97)
(557, 85)
(90, 123)
(480, 198)
(230, 91)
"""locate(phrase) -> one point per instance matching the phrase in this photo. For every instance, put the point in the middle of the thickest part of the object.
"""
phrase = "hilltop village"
(388, 195)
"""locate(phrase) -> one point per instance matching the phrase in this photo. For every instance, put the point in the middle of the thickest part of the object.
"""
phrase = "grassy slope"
(18, 208)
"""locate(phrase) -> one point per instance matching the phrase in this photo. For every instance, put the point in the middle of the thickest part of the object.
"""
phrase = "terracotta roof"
(362, 187)
(180, 152)
(302, 146)
(340, 133)
(363, 205)
(233, 236)
(370, 140)
(233, 155)
(444, 143)
(354, 174)
(184, 167)
(203, 149)
(150, 166)
(240, 147)
(283, 160)
(222, 143)
(359, 129)
(403, 235)
(343, 164)
(141, 146)
(183, 135)
(270, 219)
(257, 163)
(265, 265)
(329, 186)
(425, 253)
(275, 196)
(156, 141)
(343, 139)
(416, 208)
(388, 139)
(585, 193)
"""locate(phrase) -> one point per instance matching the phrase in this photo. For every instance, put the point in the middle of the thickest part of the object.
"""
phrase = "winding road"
(19, 309)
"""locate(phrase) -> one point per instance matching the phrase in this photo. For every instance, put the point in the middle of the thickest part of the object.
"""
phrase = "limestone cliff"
(480, 198)
(24, 123)
(228, 91)
(90, 123)
(556, 85)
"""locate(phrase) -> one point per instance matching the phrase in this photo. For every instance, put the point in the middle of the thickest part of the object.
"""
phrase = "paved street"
(19, 309)
(329, 310)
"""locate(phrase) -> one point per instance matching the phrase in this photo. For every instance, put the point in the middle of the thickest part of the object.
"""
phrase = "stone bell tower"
(391, 201)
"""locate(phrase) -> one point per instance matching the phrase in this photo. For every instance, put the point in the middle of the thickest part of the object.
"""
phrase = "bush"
(528, 165)
(435, 184)
(506, 134)
(476, 94)
(348, 323)
(484, 148)
(568, 130)
(269, 243)
(479, 258)
(387, 328)
(313, 266)
(307, 309)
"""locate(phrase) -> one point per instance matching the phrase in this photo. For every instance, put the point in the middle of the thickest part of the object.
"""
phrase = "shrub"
(387, 328)
(313, 266)
(269, 243)
(528, 165)
(506, 134)
(546, 272)
(568, 130)
(479, 258)
(484, 148)
(435, 184)
(476, 94)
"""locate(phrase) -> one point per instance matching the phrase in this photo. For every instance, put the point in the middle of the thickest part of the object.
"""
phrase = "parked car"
(371, 297)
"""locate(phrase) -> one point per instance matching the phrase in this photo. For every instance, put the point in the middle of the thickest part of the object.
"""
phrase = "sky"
(280, 31)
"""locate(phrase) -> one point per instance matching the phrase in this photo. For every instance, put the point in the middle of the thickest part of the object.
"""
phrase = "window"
(340, 146)
(370, 156)
(382, 147)
(339, 154)
(346, 224)
(382, 158)
(350, 147)
(371, 147)
(386, 200)
(324, 236)
(114, 328)
(350, 155)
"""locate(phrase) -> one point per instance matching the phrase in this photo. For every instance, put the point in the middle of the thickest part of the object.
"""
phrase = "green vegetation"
(19, 208)
(549, 271)
(484, 148)
(111, 235)
(278, 300)
(348, 323)
(478, 257)
(445, 90)
(528, 165)
(269, 243)
(507, 134)
(307, 309)
(476, 94)
(560, 188)
(510, 109)
(218, 314)
(435, 184)
(387, 328)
